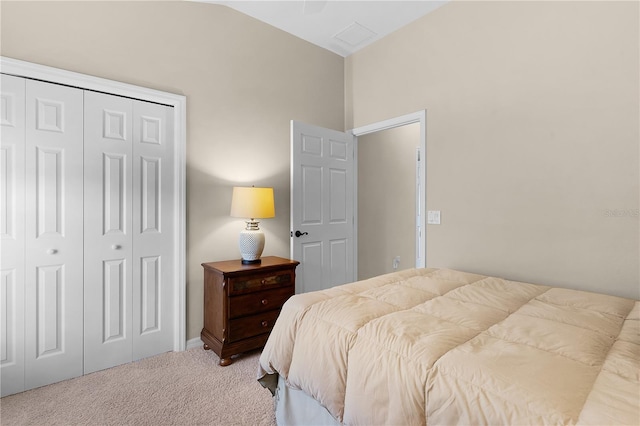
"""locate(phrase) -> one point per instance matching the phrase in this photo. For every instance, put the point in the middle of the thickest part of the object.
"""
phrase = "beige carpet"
(176, 388)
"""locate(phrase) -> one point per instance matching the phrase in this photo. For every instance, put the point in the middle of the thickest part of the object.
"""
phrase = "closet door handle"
(52, 251)
(116, 247)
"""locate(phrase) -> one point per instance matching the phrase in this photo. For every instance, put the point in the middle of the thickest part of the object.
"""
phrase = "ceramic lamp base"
(251, 244)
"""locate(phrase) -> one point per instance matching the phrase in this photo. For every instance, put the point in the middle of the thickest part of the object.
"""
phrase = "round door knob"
(116, 247)
(264, 323)
(52, 251)
(300, 234)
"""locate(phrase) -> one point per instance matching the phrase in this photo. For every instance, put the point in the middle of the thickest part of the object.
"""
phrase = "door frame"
(179, 103)
(416, 117)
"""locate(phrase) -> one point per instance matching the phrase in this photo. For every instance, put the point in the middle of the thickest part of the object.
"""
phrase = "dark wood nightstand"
(242, 302)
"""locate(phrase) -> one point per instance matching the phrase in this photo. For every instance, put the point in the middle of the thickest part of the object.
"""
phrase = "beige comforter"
(429, 346)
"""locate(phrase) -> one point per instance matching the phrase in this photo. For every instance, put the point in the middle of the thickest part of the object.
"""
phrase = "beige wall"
(532, 135)
(387, 200)
(532, 120)
(243, 80)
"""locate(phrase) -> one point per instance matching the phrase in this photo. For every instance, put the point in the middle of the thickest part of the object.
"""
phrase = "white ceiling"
(341, 26)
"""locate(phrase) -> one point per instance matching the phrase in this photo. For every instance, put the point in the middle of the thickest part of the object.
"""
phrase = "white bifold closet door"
(42, 211)
(128, 235)
(86, 226)
(54, 214)
(12, 195)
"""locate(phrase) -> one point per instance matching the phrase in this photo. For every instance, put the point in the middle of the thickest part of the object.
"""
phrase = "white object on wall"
(433, 217)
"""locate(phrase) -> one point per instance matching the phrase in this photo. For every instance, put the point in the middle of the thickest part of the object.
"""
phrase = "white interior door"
(54, 244)
(322, 206)
(153, 229)
(12, 151)
(108, 273)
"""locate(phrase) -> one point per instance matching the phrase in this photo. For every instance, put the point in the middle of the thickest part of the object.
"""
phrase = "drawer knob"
(263, 281)
(264, 302)
(264, 323)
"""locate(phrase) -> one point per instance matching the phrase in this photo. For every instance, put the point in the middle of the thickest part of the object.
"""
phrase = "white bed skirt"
(294, 407)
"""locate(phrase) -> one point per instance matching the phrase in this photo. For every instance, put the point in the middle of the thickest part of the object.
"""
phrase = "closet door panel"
(153, 238)
(108, 231)
(12, 152)
(54, 253)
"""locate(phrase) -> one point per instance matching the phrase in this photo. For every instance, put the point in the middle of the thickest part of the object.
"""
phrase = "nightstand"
(242, 302)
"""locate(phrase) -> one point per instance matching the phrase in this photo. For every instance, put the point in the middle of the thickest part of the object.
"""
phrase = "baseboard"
(194, 343)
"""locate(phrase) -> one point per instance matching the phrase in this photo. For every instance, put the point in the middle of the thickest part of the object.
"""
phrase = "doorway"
(386, 183)
(419, 118)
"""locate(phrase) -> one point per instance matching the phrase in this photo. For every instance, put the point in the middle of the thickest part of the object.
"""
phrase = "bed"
(444, 347)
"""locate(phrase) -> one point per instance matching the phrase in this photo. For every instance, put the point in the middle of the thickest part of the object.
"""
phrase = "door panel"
(312, 205)
(49, 193)
(54, 252)
(49, 293)
(150, 286)
(339, 207)
(114, 186)
(12, 226)
(153, 233)
(322, 206)
(108, 231)
(114, 310)
(339, 257)
(150, 184)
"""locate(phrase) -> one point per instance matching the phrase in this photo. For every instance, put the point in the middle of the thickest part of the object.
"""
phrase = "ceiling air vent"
(355, 34)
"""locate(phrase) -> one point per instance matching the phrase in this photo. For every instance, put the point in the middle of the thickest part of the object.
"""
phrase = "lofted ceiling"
(341, 26)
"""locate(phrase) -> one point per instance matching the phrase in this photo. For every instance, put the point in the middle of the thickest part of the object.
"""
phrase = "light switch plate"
(433, 217)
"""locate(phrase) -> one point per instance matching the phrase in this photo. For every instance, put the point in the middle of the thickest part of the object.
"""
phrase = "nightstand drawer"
(253, 325)
(261, 301)
(260, 282)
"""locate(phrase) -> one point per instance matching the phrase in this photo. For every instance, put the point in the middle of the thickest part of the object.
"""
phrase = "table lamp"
(252, 203)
